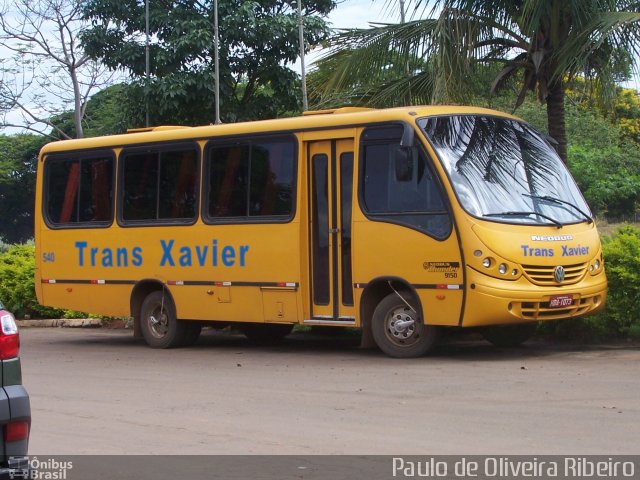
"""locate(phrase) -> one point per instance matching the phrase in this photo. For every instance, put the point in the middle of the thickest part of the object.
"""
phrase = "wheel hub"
(401, 325)
(159, 323)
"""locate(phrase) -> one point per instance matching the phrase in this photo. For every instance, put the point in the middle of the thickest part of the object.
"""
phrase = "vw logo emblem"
(558, 274)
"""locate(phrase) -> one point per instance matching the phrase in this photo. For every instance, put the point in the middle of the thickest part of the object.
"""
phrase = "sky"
(350, 14)
(358, 13)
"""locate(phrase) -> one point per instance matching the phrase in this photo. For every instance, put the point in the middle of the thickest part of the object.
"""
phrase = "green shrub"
(17, 266)
(609, 178)
(622, 263)
(621, 316)
(17, 289)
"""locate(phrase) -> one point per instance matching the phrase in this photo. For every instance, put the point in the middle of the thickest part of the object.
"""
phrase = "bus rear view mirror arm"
(403, 163)
(407, 139)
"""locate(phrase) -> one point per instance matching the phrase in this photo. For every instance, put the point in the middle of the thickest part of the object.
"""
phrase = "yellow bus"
(400, 222)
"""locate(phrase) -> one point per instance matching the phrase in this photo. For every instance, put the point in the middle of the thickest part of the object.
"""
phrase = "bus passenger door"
(330, 168)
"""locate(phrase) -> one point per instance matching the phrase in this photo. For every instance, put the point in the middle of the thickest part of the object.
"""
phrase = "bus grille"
(543, 275)
(542, 311)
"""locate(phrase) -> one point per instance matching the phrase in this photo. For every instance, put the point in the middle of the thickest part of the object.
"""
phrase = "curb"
(61, 322)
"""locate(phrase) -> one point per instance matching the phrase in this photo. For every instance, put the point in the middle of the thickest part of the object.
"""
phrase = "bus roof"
(344, 117)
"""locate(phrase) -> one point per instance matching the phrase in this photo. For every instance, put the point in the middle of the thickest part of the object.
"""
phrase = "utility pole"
(305, 103)
(147, 61)
(216, 61)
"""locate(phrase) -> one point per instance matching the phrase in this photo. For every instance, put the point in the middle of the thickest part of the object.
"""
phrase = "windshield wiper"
(561, 202)
(524, 214)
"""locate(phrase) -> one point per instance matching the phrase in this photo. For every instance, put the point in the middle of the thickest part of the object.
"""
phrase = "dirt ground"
(99, 391)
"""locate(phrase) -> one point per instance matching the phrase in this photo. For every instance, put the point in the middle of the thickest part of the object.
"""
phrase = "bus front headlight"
(494, 266)
(596, 265)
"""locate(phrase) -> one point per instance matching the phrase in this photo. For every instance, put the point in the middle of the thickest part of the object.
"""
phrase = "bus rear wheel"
(160, 327)
(509, 335)
(399, 331)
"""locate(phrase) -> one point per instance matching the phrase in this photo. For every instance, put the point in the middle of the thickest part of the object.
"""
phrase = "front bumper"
(495, 302)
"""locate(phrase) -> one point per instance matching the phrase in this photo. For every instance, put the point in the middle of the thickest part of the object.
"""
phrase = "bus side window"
(251, 180)
(272, 171)
(178, 185)
(79, 190)
(228, 169)
(140, 174)
(160, 185)
(96, 190)
(399, 185)
(386, 192)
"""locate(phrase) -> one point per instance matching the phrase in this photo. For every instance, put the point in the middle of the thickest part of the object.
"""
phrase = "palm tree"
(540, 44)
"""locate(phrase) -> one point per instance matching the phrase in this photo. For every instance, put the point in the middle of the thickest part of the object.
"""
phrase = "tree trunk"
(555, 118)
(77, 102)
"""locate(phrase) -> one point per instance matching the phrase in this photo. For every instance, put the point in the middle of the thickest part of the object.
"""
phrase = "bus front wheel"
(398, 329)
(160, 327)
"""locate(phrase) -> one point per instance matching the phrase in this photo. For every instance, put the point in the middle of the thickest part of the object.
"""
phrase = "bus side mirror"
(407, 136)
(403, 163)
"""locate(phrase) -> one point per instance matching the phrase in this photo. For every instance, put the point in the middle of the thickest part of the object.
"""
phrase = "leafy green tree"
(540, 45)
(258, 39)
(628, 112)
(608, 177)
(18, 162)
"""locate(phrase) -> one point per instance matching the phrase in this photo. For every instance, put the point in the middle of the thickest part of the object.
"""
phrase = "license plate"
(559, 301)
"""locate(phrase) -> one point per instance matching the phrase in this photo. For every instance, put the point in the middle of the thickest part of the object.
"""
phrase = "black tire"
(158, 322)
(413, 340)
(265, 333)
(192, 333)
(509, 335)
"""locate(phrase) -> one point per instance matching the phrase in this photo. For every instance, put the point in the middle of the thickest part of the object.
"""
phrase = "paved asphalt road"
(96, 391)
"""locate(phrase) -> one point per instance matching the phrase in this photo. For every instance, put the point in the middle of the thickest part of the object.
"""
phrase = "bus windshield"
(503, 170)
